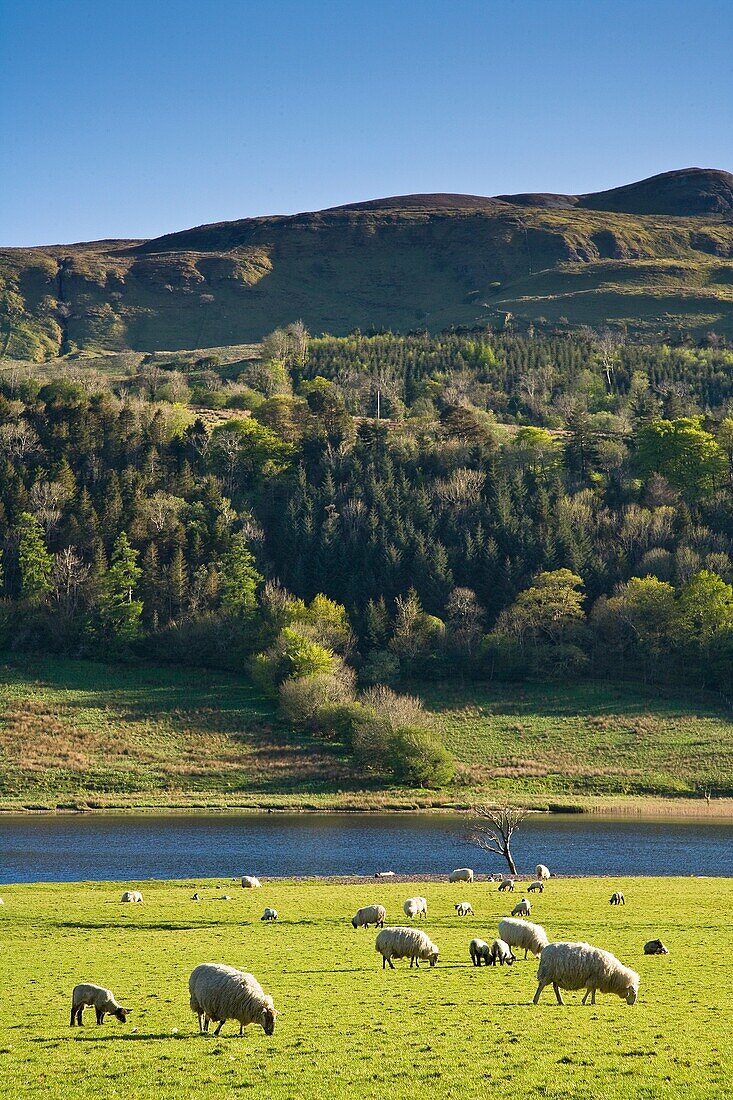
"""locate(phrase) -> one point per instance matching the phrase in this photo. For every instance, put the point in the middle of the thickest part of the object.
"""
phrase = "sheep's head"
(354, 923)
(632, 991)
(121, 1014)
(269, 1015)
(433, 958)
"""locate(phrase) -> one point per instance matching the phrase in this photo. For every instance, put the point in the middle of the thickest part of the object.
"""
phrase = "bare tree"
(493, 828)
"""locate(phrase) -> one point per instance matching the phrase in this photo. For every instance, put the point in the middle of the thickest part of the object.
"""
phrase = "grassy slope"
(349, 1029)
(340, 270)
(74, 732)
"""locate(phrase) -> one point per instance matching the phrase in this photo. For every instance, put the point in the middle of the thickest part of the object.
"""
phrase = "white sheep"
(132, 895)
(500, 952)
(536, 886)
(461, 874)
(479, 951)
(506, 884)
(580, 966)
(464, 909)
(415, 907)
(655, 947)
(523, 934)
(369, 914)
(542, 872)
(249, 882)
(103, 1000)
(405, 943)
(269, 914)
(522, 908)
(384, 874)
(221, 993)
(617, 898)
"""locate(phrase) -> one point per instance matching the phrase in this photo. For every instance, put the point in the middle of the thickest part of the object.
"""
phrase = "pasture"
(348, 1028)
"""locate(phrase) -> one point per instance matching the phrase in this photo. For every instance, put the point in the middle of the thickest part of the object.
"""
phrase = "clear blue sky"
(131, 118)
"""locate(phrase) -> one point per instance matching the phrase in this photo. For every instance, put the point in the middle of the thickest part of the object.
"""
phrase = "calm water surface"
(77, 848)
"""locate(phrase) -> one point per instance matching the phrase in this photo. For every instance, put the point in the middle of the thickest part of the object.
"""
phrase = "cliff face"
(655, 255)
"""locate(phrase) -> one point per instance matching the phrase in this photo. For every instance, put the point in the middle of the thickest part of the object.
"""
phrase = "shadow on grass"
(164, 926)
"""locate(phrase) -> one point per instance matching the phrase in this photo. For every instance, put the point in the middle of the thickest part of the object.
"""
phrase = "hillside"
(655, 256)
(77, 733)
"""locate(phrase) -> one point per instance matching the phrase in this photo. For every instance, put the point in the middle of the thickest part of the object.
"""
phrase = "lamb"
(461, 874)
(415, 907)
(249, 882)
(405, 943)
(500, 952)
(617, 898)
(464, 909)
(506, 884)
(384, 874)
(103, 1000)
(479, 950)
(369, 914)
(655, 947)
(542, 872)
(522, 909)
(580, 966)
(132, 895)
(269, 914)
(534, 886)
(221, 993)
(523, 934)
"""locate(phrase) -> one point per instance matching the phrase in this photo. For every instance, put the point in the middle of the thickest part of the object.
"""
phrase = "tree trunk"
(510, 861)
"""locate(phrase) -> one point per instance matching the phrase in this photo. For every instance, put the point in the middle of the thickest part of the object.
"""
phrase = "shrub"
(302, 699)
(419, 759)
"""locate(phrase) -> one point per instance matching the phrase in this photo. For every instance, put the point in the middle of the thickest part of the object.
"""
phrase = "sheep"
(506, 884)
(269, 914)
(249, 882)
(464, 909)
(522, 909)
(534, 886)
(617, 898)
(369, 914)
(523, 934)
(384, 874)
(478, 950)
(580, 966)
(221, 993)
(103, 1000)
(461, 874)
(500, 952)
(226, 897)
(405, 943)
(415, 907)
(542, 872)
(132, 895)
(655, 947)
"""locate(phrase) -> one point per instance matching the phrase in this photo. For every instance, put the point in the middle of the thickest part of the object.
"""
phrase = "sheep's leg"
(391, 964)
(593, 997)
(73, 1015)
(220, 1026)
(525, 952)
(100, 1017)
(538, 994)
(558, 994)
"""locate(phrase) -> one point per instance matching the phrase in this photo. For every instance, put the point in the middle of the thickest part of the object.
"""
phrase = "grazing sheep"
(132, 895)
(464, 909)
(405, 943)
(415, 907)
(478, 950)
(534, 886)
(221, 993)
(523, 934)
(369, 914)
(580, 966)
(269, 914)
(249, 882)
(103, 1000)
(384, 874)
(655, 947)
(617, 898)
(542, 872)
(522, 909)
(500, 952)
(461, 874)
(506, 884)
(195, 897)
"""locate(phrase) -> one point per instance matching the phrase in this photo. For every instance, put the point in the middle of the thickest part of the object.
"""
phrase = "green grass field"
(349, 1029)
(75, 734)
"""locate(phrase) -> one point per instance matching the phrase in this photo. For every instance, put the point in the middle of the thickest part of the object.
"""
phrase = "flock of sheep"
(219, 993)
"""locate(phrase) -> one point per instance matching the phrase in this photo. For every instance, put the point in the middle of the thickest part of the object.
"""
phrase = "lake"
(48, 848)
